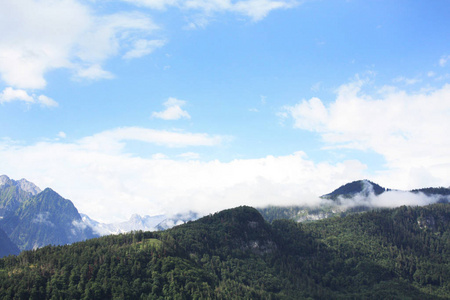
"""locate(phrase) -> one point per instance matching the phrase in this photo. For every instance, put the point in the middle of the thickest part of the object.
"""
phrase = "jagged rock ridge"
(13, 193)
(43, 219)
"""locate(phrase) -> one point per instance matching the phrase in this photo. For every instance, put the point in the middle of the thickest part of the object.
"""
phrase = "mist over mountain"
(354, 197)
(32, 218)
(359, 187)
(137, 222)
(367, 193)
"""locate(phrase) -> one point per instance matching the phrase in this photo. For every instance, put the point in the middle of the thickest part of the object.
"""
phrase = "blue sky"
(160, 106)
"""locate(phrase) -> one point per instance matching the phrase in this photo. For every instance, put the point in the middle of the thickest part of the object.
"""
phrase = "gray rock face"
(4, 180)
(14, 193)
(23, 184)
(45, 219)
(28, 187)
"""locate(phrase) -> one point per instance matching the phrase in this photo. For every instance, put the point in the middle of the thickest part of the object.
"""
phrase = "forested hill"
(234, 254)
(364, 187)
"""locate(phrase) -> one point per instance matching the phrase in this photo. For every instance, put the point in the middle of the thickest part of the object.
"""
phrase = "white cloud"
(10, 94)
(189, 155)
(40, 36)
(159, 156)
(113, 141)
(197, 22)
(110, 34)
(398, 198)
(316, 87)
(173, 110)
(263, 99)
(46, 101)
(391, 198)
(255, 9)
(43, 218)
(110, 186)
(144, 47)
(92, 72)
(154, 4)
(308, 115)
(443, 61)
(45, 35)
(407, 81)
(259, 9)
(409, 130)
(37, 37)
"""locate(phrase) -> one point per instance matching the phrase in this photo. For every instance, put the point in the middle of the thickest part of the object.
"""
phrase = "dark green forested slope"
(402, 253)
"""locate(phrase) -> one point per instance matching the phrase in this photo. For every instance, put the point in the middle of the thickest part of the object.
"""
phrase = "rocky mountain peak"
(28, 186)
(4, 180)
(135, 218)
(23, 184)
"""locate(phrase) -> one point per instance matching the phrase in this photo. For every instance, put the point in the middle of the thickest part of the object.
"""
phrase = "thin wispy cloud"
(406, 81)
(444, 59)
(92, 72)
(144, 47)
(254, 9)
(114, 140)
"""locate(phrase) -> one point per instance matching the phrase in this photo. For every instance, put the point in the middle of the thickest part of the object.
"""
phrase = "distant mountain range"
(137, 222)
(31, 218)
(43, 219)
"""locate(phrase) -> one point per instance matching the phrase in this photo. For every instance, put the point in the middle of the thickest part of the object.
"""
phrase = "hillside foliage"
(401, 253)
